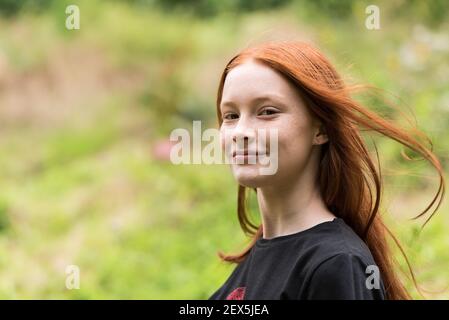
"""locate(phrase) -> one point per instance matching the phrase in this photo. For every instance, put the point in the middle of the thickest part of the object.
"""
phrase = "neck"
(292, 208)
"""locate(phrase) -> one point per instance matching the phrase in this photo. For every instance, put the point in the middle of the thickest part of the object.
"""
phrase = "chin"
(250, 176)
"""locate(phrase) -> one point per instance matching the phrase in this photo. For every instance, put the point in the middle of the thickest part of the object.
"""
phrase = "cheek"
(225, 138)
(295, 144)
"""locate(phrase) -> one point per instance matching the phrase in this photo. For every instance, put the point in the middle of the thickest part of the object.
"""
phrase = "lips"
(247, 153)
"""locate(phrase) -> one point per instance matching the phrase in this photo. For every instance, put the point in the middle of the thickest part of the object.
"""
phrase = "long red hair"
(350, 184)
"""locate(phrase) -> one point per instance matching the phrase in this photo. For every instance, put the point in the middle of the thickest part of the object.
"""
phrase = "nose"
(243, 133)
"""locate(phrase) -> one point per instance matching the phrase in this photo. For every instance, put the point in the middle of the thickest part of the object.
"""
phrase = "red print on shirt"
(237, 294)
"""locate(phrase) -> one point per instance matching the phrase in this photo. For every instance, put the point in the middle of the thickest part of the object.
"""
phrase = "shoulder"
(345, 276)
(342, 267)
(338, 240)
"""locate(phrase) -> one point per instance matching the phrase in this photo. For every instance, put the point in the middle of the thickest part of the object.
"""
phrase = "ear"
(320, 135)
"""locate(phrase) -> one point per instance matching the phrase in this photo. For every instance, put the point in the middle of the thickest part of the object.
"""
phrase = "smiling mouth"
(247, 153)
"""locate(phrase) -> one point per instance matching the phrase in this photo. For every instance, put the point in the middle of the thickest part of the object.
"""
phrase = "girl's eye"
(268, 112)
(230, 116)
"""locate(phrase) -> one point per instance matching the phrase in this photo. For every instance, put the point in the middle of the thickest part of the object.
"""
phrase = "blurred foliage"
(433, 12)
(13, 7)
(82, 112)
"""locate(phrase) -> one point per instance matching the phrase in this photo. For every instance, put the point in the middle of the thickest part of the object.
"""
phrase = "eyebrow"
(269, 97)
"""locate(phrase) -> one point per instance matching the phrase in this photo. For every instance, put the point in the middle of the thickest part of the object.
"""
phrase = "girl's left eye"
(268, 112)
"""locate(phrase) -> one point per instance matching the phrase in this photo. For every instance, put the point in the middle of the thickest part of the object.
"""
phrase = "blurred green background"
(85, 117)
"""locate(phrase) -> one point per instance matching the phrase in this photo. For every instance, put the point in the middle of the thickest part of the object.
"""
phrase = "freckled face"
(257, 97)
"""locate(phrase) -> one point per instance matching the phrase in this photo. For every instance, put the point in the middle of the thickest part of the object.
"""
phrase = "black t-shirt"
(327, 261)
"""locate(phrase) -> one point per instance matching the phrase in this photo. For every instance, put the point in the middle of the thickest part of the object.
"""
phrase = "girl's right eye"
(230, 116)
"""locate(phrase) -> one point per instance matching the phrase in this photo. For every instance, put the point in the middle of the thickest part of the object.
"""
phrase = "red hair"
(349, 182)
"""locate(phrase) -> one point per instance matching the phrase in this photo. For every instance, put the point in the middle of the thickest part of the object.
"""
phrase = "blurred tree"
(206, 8)
(13, 7)
(433, 12)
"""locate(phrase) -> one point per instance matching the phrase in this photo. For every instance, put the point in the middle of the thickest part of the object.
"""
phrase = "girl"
(321, 236)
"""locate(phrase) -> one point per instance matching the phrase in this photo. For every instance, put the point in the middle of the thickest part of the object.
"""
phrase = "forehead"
(253, 79)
